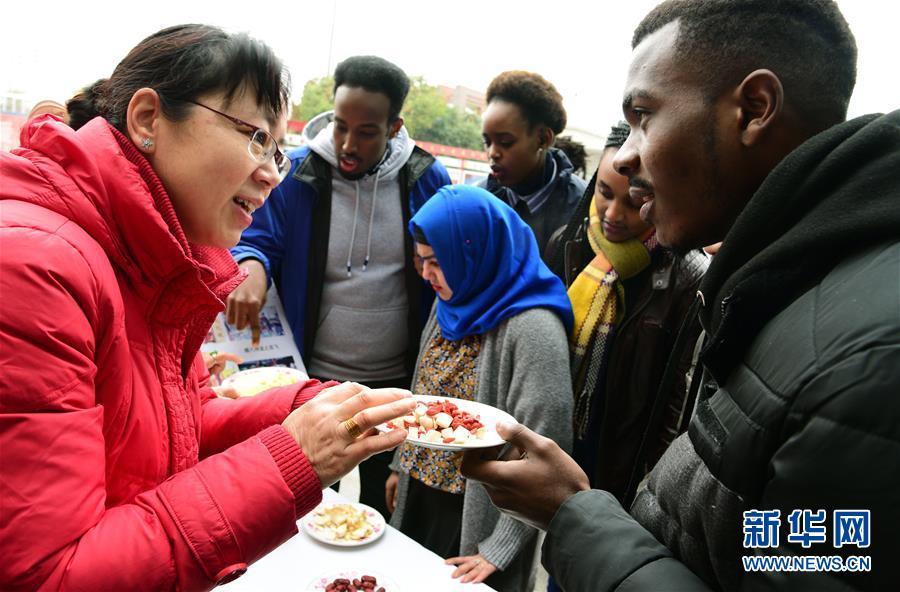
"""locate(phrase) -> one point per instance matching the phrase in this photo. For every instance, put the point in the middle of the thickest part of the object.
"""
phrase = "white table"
(300, 560)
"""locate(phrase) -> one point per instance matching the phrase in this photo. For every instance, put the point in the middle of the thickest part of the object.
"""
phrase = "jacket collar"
(111, 191)
(316, 172)
(834, 195)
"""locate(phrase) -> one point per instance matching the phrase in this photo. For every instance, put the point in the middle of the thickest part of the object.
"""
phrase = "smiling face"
(513, 147)
(361, 129)
(620, 218)
(431, 271)
(680, 144)
(203, 162)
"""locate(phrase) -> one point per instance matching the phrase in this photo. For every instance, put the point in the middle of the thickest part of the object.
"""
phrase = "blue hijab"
(490, 260)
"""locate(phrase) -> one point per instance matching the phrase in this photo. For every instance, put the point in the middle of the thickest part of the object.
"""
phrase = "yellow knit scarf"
(598, 301)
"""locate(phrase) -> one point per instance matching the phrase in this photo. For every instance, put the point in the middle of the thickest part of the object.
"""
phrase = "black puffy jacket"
(800, 407)
(555, 213)
(626, 438)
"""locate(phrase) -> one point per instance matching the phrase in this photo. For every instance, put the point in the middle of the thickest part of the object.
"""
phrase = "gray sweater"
(523, 369)
(362, 333)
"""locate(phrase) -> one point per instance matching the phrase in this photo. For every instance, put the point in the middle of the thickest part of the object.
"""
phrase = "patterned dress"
(447, 369)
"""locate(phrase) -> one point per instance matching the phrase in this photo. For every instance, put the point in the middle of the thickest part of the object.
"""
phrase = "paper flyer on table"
(276, 343)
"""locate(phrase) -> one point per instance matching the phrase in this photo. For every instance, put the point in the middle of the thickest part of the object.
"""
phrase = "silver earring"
(147, 143)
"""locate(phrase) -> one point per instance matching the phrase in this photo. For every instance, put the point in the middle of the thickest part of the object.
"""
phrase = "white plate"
(319, 584)
(322, 533)
(487, 415)
(256, 380)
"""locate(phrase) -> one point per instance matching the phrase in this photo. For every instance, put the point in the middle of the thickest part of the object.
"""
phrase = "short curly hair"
(374, 74)
(806, 43)
(540, 102)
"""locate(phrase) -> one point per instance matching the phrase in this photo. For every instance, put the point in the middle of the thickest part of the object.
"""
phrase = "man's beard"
(712, 186)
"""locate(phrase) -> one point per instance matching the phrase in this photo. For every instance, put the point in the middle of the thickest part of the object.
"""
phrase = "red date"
(363, 583)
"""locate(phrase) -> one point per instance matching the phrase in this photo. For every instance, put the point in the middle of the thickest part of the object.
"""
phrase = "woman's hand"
(472, 568)
(336, 430)
(226, 392)
(390, 492)
(215, 362)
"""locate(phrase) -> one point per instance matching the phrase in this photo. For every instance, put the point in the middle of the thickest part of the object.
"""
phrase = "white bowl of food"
(344, 524)
(256, 380)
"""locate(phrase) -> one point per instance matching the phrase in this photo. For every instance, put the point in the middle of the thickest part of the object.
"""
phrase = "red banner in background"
(454, 151)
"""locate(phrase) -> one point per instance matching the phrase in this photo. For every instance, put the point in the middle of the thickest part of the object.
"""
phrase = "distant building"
(467, 99)
(462, 164)
(294, 136)
(14, 107)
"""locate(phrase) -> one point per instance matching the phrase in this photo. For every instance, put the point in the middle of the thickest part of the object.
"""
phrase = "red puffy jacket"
(105, 412)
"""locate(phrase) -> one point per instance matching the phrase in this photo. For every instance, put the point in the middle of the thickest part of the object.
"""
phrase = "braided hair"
(575, 151)
(617, 135)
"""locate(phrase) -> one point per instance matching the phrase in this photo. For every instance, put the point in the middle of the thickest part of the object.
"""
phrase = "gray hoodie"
(362, 333)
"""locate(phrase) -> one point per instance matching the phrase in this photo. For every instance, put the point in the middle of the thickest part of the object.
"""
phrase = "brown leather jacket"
(657, 301)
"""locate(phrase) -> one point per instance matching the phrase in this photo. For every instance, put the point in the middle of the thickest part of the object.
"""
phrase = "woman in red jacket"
(121, 470)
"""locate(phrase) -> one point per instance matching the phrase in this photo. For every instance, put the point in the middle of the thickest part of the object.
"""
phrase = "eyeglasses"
(262, 145)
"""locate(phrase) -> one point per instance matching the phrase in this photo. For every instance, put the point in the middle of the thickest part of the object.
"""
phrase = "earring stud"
(147, 143)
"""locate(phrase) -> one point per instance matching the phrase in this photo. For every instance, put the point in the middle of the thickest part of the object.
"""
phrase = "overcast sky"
(582, 47)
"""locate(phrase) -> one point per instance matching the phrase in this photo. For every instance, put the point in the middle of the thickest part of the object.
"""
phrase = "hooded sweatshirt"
(362, 332)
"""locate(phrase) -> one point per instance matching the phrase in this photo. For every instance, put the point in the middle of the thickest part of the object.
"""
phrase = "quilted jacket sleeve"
(56, 530)
(844, 417)
(227, 422)
(844, 438)
(593, 544)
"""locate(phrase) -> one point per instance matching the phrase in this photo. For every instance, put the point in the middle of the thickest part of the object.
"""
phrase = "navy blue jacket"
(555, 213)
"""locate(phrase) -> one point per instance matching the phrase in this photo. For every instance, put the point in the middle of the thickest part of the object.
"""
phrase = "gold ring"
(352, 428)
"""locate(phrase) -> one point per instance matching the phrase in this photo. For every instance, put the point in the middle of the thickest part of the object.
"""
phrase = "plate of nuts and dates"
(352, 580)
(343, 525)
(444, 423)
